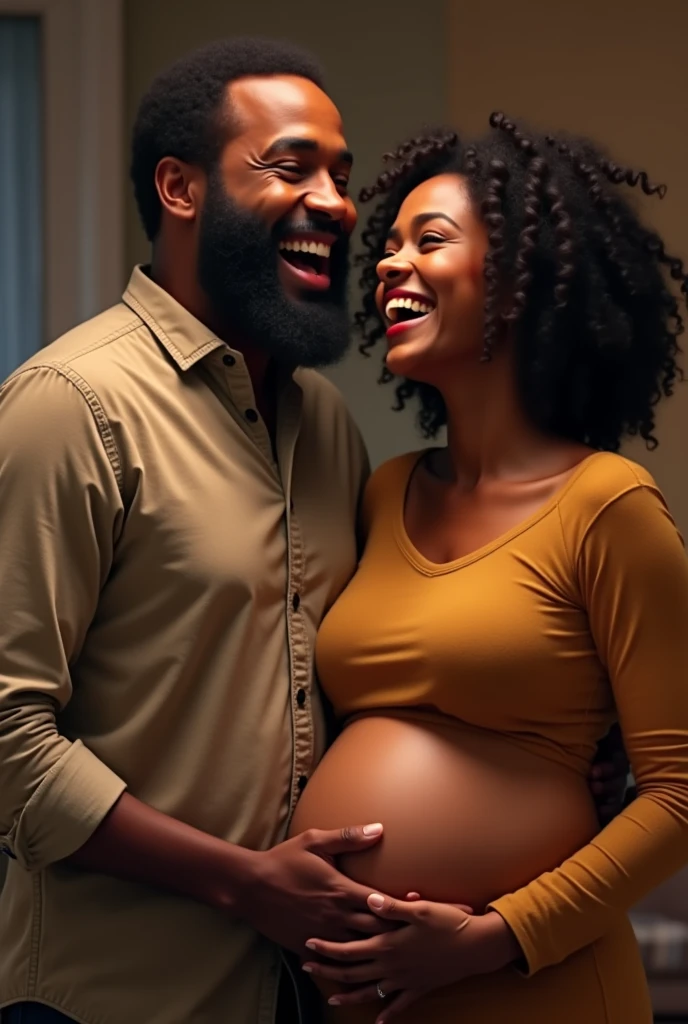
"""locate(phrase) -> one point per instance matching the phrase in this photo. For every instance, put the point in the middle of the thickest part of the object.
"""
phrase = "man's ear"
(181, 188)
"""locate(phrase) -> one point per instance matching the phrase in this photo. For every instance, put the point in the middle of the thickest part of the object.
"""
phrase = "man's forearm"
(139, 844)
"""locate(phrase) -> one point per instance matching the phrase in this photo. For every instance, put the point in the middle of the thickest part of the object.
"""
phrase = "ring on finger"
(381, 994)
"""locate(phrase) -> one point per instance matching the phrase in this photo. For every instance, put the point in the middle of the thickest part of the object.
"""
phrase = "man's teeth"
(314, 248)
(413, 304)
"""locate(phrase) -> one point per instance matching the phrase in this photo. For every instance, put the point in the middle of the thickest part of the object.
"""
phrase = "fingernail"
(372, 830)
(310, 945)
(307, 968)
(333, 1001)
(376, 900)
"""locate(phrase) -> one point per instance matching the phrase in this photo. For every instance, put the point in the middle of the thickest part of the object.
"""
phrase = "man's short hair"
(184, 113)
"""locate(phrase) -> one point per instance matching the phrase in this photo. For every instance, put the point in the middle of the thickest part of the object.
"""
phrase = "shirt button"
(301, 697)
(251, 415)
(228, 360)
(295, 602)
(303, 782)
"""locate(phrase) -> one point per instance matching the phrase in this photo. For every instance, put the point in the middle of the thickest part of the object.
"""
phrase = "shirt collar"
(185, 338)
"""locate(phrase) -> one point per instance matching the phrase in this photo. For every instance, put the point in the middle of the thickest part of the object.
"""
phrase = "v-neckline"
(430, 568)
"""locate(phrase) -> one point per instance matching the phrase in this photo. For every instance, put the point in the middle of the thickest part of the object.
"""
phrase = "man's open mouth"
(306, 259)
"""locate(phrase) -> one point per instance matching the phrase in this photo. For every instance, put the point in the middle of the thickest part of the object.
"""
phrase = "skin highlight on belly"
(468, 815)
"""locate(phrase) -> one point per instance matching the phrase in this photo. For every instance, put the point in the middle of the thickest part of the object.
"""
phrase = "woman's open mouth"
(305, 260)
(405, 310)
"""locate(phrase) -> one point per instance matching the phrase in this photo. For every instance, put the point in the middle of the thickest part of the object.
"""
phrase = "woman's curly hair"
(592, 293)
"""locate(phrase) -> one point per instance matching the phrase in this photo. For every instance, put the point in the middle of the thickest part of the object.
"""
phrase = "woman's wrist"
(502, 941)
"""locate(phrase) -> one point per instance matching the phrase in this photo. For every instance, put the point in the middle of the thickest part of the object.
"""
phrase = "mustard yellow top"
(576, 615)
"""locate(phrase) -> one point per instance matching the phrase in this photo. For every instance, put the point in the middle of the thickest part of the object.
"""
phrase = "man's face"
(275, 225)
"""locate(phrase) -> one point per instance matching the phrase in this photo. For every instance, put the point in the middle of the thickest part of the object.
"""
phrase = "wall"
(610, 69)
(386, 72)
(607, 69)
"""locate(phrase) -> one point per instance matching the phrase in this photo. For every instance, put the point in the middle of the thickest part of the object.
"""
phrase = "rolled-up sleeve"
(60, 512)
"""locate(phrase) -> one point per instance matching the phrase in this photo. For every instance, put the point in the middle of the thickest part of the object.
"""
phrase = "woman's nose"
(393, 269)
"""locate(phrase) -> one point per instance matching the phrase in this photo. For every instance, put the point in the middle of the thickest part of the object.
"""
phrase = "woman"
(520, 588)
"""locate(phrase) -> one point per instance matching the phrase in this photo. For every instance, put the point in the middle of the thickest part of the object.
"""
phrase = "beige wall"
(616, 71)
(368, 48)
(603, 67)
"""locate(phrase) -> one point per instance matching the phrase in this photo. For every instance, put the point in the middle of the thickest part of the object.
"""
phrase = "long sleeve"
(61, 509)
(632, 574)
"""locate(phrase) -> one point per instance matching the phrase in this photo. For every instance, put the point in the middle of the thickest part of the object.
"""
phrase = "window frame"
(83, 160)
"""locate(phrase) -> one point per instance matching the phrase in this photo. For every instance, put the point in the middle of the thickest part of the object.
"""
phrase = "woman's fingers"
(358, 974)
(364, 994)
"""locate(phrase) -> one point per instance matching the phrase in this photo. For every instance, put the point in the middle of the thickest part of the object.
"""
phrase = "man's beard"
(237, 268)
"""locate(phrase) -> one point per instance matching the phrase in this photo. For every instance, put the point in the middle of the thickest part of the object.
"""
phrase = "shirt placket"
(300, 654)
(237, 386)
(233, 386)
(238, 389)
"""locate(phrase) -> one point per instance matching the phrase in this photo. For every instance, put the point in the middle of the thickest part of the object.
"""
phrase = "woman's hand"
(435, 944)
(609, 775)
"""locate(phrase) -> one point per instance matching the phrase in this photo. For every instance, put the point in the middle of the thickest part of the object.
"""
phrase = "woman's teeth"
(414, 305)
(314, 248)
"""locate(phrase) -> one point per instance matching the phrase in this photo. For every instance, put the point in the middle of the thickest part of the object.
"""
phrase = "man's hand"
(608, 775)
(293, 891)
(287, 893)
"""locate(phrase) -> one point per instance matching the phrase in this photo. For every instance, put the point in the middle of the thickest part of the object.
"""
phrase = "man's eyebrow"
(292, 144)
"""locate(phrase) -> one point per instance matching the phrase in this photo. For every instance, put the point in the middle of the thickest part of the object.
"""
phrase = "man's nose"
(326, 200)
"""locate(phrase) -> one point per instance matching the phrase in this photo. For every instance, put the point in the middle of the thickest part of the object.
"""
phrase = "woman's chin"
(414, 366)
(408, 359)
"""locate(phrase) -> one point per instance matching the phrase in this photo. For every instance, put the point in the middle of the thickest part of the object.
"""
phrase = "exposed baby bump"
(467, 816)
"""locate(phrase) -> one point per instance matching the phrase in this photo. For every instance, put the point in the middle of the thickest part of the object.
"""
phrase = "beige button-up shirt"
(163, 578)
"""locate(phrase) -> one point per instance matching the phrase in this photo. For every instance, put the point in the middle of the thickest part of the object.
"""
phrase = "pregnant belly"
(467, 815)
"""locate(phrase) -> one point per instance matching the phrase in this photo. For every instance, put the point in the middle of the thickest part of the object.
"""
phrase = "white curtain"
(21, 206)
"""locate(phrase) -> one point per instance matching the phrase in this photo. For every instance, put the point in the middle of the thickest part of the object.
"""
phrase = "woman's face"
(431, 291)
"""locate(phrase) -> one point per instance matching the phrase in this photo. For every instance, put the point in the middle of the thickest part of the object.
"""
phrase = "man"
(178, 513)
